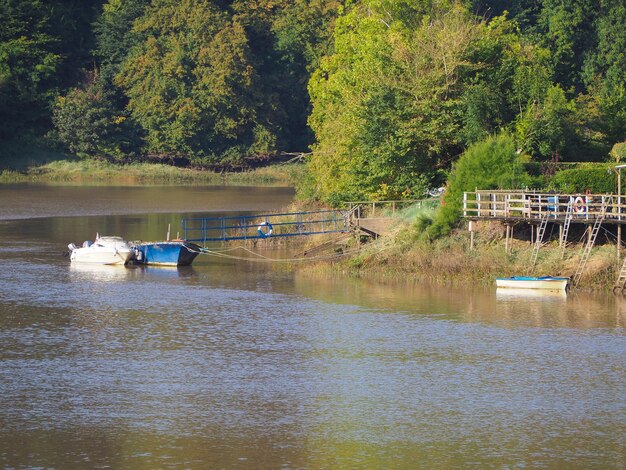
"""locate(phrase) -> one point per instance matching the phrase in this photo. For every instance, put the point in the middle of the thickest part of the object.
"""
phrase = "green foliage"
(28, 63)
(91, 119)
(42, 47)
(87, 123)
(547, 128)
(113, 33)
(596, 178)
(618, 152)
(294, 38)
(192, 84)
(386, 104)
(491, 164)
(398, 88)
(566, 28)
(604, 71)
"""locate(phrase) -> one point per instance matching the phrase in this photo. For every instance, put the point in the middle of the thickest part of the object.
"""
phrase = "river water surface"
(234, 364)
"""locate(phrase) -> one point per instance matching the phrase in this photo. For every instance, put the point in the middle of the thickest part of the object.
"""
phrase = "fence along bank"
(539, 208)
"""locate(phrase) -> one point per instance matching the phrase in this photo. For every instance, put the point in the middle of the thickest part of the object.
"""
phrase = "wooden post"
(506, 239)
(471, 231)
(560, 235)
(512, 235)
(619, 211)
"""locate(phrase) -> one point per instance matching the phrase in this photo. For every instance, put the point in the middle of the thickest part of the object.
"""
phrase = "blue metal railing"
(261, 226)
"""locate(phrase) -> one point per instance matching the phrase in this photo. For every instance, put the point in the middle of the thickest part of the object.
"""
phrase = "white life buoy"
(579, 205)
(268, 232)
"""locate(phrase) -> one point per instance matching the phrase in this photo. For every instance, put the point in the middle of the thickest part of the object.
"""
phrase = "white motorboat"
(104, 250)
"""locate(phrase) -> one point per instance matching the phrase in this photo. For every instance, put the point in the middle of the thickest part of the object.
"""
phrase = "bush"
(491, 164)
(599, 178)
(87, 124)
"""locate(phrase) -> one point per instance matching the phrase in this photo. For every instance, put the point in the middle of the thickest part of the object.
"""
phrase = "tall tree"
(91, 119)
(192, 85)
(29, 60)
(605, 73)
(566, 29)
(407, 87)
(114, 38)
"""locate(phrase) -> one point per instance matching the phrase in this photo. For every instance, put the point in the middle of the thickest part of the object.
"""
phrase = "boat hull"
(548, 283)
(104, 250)
(166, 253)
(101, 257)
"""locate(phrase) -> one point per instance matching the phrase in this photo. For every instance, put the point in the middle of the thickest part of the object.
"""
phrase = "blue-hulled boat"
(167, 253)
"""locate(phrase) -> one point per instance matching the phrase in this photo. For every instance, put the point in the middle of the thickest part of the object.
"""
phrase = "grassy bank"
(405, 255)
(449, 260)
(99, 172)
(402, 255)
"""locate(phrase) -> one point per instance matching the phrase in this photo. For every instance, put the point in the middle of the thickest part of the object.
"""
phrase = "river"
(235, 364)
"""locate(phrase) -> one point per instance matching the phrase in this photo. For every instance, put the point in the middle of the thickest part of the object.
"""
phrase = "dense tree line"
(386, 93)
(409, 86)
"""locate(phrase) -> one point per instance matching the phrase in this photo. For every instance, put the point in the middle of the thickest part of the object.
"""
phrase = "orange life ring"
(579, 205)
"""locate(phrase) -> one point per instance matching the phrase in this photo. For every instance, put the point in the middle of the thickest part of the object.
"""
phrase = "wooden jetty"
(378, 218)
(540, 208)
(531, 206)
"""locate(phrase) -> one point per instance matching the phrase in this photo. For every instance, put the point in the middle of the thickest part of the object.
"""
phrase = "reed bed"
(100, 172)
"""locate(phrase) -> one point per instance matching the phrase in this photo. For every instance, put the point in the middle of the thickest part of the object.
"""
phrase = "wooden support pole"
(560, 235)
(619, 212)
(471, 231)
(506, 240)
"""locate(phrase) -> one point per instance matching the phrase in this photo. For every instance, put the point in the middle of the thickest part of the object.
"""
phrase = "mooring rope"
(221, 253)
(266, 259)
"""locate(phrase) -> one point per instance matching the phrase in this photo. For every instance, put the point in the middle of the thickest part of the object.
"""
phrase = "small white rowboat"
(523, 282)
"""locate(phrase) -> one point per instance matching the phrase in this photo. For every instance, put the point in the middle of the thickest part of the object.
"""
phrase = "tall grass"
(99, 172)
(451, 260)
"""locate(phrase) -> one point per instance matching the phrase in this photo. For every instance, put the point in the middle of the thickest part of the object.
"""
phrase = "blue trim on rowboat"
(530, 278)
(167, 253)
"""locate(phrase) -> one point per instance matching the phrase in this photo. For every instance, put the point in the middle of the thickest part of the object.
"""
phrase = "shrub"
(490, 164)
(595, 177)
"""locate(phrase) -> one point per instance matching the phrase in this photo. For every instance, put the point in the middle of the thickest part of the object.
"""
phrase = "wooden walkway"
(377, 218)
(538, 209)
(528, 206)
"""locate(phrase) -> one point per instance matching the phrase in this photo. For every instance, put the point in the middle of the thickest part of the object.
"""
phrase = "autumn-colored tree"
(191, 83)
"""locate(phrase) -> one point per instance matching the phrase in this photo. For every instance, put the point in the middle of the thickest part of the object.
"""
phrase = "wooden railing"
(529, 205)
